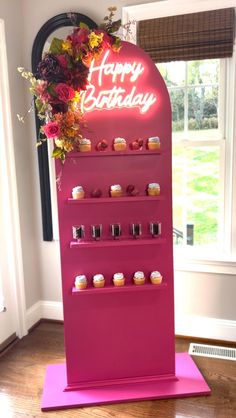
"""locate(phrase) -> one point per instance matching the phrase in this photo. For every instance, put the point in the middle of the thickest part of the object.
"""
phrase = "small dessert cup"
(78, 192)
(153, 189)
(139, 278)
(85, 145)
(156, 277)
(116, 190)
(118, 279)
(119, 144)
(153, 143)
(98, 280)
(81, 282)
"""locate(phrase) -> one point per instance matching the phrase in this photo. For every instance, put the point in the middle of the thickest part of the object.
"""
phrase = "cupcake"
(98, 280)
(153, 189)
(139, 277)
(81, 282)
(85, 145)
(118, 279)
(119, 144)
(156, 277)
(153, 143)
(116, 190)
(78, 192)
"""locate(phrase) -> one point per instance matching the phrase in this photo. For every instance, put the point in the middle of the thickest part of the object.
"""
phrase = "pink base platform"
(190, 383)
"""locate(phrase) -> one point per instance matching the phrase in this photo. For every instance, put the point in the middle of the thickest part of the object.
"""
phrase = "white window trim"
(165, 8)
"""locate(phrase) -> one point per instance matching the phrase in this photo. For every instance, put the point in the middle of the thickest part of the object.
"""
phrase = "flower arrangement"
(62, 76)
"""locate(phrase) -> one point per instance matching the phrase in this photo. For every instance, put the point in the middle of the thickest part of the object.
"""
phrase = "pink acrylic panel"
(119, 334)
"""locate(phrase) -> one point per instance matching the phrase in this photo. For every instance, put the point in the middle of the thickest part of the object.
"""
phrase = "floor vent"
(214, 351)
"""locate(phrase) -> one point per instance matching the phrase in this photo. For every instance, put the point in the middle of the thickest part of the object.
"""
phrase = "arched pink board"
(118, 336)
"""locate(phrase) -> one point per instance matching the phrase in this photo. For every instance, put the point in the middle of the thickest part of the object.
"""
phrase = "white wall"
(202, 299)
(11, 13)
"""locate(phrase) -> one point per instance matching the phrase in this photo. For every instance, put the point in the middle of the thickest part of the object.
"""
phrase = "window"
(196, 91)
(152, 38)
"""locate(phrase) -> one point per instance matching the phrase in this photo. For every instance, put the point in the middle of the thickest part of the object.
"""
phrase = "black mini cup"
(155, 229)
(116, 231)
(136, 230)
(78, 232)
(96, 231)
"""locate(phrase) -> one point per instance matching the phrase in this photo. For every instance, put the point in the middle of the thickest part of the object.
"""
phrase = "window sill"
(219, 265)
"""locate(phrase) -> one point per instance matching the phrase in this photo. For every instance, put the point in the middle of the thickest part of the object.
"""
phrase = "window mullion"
(186, 101)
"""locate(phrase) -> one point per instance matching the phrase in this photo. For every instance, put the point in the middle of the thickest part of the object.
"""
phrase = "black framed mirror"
(56, 23)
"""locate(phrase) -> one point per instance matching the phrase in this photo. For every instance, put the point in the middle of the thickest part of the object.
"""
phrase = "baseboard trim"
(188, 326)
(43, 310)
(33, 315)
(205, 327)
(52, 310)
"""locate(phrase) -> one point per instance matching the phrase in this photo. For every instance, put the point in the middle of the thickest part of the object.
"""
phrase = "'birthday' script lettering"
(123, 92)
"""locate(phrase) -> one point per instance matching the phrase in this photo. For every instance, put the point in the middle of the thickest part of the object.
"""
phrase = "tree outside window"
(195, 90)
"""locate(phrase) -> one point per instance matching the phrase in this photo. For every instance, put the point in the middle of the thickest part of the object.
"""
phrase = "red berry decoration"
(131, 190)
(140, 143)
(134, 145)
(96, 193)
(102, 145)
(137, 144)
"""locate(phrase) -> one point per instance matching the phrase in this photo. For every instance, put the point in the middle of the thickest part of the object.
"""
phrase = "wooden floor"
(22, 371)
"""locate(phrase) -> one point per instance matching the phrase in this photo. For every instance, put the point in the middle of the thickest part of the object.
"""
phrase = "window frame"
(227, 259)
(187, 142)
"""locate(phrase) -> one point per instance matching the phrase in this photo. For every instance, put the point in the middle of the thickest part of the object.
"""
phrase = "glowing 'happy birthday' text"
(119, 96)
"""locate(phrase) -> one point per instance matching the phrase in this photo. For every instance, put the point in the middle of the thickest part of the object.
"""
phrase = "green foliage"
(59, 153)
(202, 186)
(56, 46)
(83, 26)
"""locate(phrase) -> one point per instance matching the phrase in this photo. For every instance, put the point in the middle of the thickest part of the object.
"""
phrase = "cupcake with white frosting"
(85, 145)
(81, 282)
(153, 189)
(98, 280)
(116, 190)
(118, 279)
(156, 277)
(139, 277)
(153, 143)
(119, 144)
(78, 192)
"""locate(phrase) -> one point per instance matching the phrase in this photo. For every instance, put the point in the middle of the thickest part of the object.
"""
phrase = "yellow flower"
(68, 146)
(60, 143)
(95, 40)
(76, 97)
(66, 46)
(70, 132)
(64, 144)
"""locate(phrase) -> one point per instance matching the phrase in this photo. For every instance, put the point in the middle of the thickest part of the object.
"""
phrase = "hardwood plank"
(22, 371)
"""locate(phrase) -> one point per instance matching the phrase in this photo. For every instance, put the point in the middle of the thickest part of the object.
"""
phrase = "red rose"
(62, 61)
(51, 130)
(65, 93)
(78, 37)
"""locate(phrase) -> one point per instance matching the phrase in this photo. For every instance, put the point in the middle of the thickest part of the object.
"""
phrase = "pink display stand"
(119, 341)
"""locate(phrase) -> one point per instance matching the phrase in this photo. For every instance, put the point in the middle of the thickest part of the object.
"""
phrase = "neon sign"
(122, 92)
